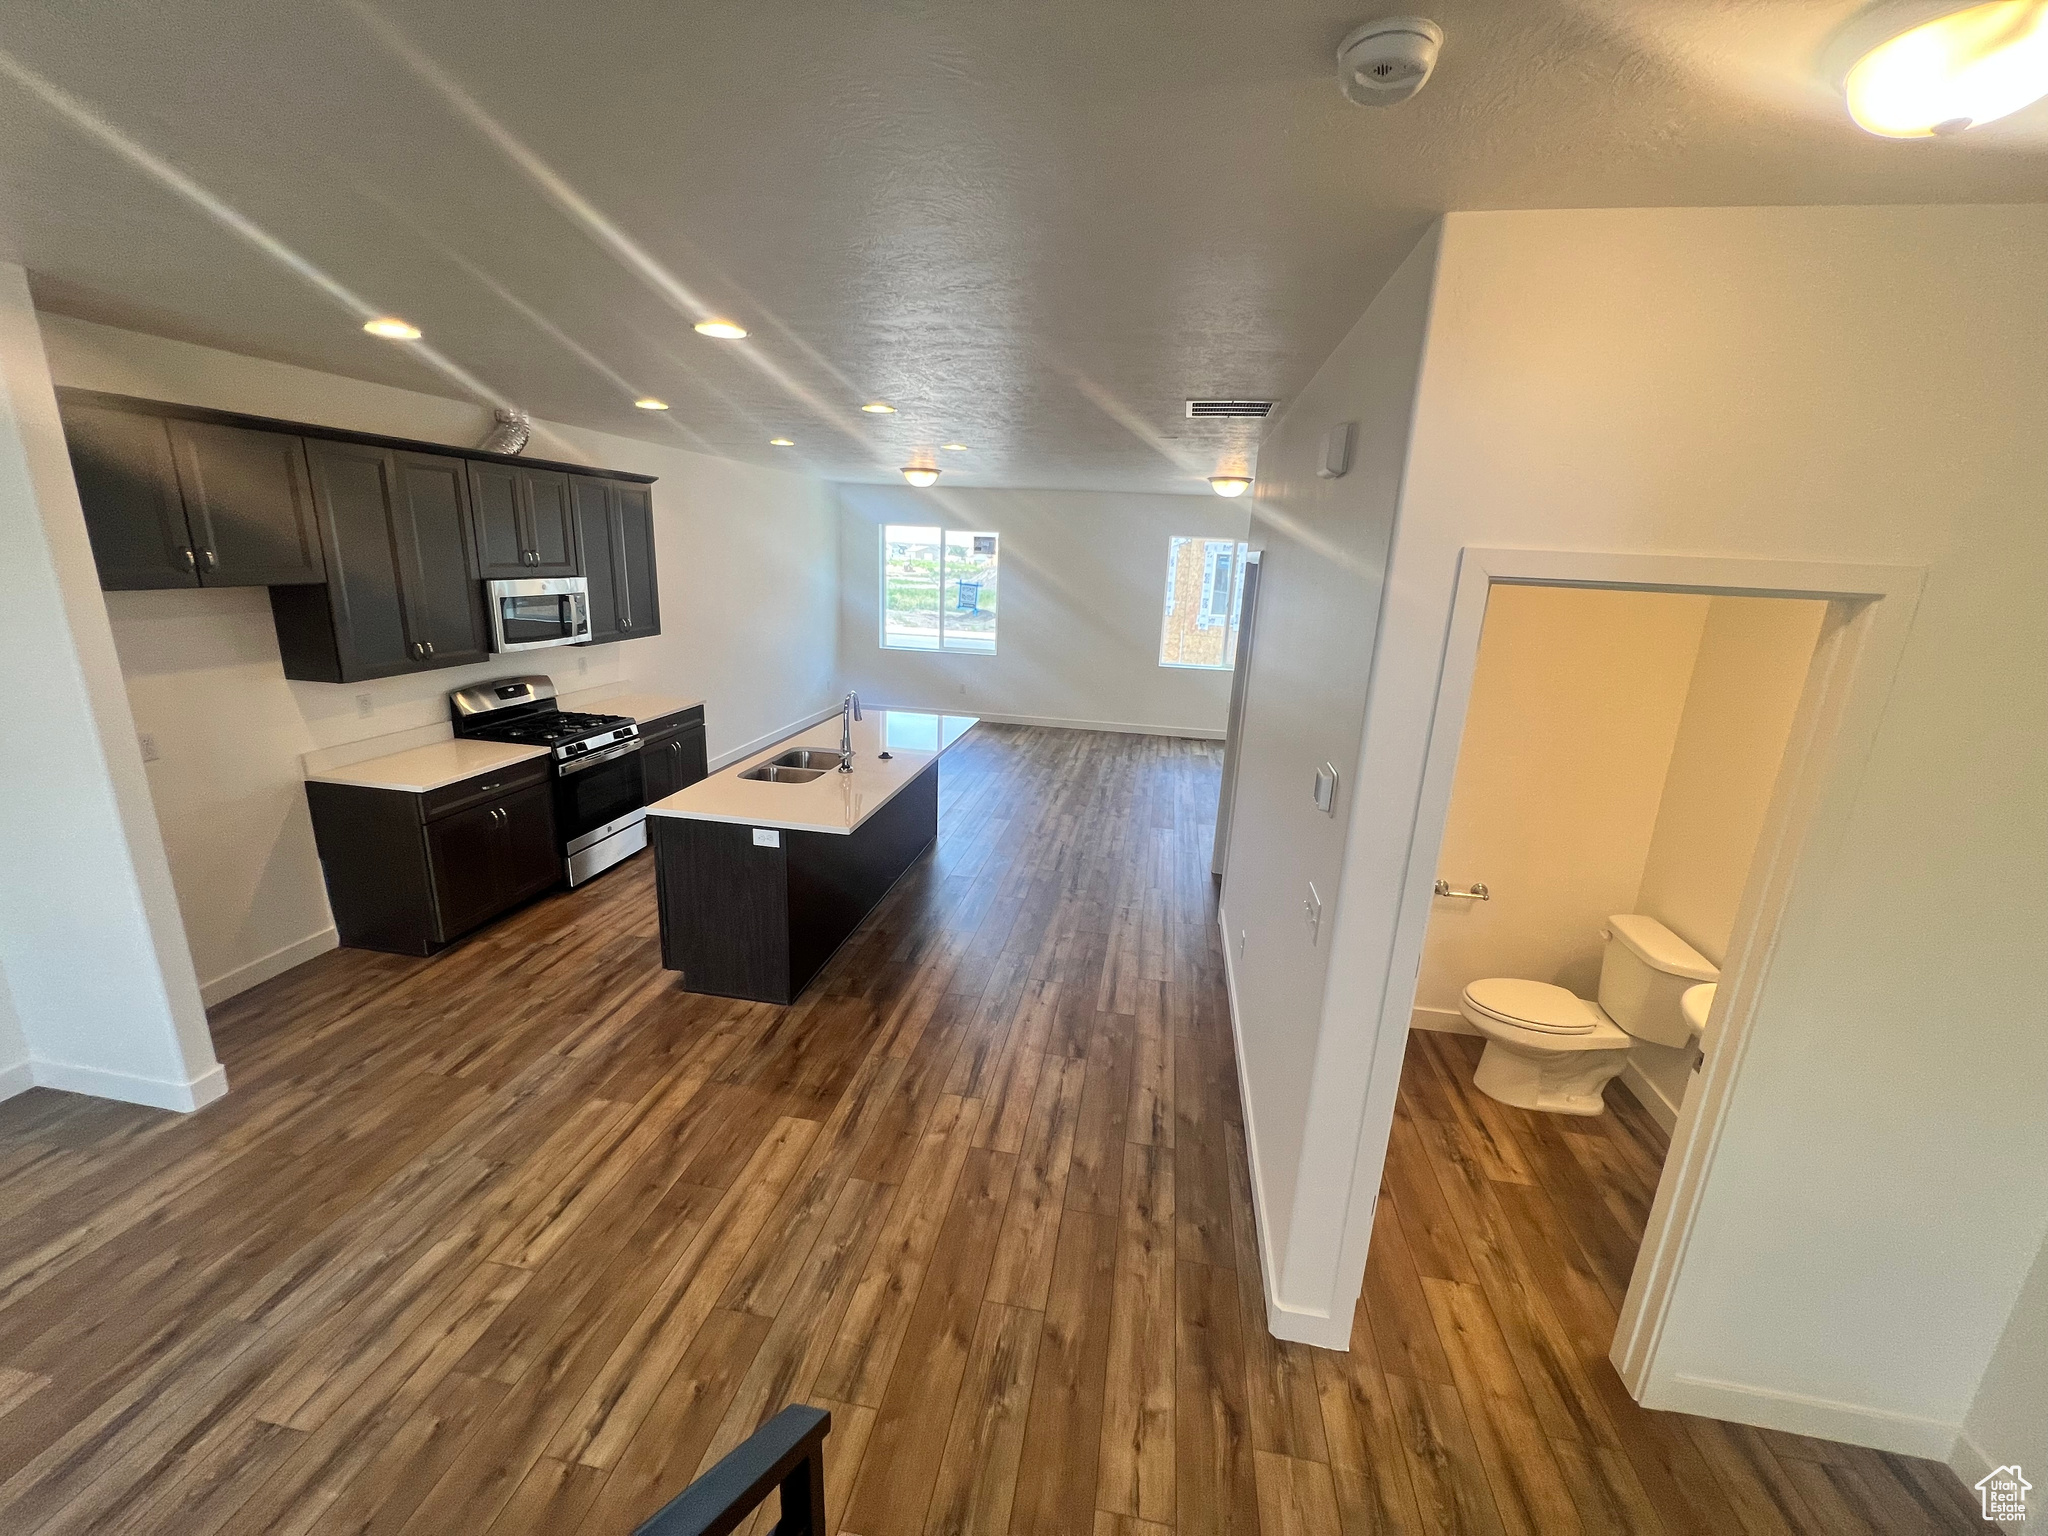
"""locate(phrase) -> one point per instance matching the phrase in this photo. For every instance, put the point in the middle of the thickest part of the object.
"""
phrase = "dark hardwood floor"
(519, 1238)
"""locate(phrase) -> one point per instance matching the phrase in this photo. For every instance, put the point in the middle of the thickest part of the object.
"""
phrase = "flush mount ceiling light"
(391, 328)
(1230, 485)
(954, 447)
(879, 408)
(781, 442)
(724, 330)
(920, 475)
(1971, 66)
(649, 403)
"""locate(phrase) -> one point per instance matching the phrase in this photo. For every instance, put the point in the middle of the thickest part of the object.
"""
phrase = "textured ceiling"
(1034, 227)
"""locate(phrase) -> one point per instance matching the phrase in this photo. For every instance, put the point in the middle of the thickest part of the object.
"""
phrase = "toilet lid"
(1532, 1005)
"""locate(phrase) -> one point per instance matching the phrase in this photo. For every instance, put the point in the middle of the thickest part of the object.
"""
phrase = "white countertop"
(833, 802)
(430, 767)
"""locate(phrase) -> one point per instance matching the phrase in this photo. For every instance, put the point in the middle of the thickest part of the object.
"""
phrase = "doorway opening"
(1864, 614)
(1613, 780)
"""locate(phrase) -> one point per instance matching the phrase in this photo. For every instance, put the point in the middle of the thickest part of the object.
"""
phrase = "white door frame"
(1862, 639)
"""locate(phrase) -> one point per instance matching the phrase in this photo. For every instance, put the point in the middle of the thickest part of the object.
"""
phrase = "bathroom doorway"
(1869, 611)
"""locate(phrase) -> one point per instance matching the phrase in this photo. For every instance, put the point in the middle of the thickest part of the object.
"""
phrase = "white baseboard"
(156, 1093)
(780, 733)
(276, 963)
(1298, 1325)
(1971, 1466)
(1659, 1108)
(1820, 1417)
(18, 1077)
(1442, 1021)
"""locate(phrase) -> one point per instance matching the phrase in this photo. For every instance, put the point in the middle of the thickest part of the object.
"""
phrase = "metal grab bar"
(1477, 893)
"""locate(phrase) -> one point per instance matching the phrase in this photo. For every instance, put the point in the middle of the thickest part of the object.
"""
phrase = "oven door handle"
(595, 758)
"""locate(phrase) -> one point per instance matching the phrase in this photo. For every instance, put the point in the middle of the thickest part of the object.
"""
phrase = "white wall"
(98, 994)
(2008, 1421)
(1754, 654)
(749, 592)
(1325, 544)
(1575, 705)
(1845, 384)
(1082, 584)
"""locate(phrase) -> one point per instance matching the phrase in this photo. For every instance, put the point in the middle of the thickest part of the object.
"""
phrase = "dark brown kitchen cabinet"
(177, 503)
(615, 547)
(401, 595)
(412, 873)
(524, 522)
(672, 753)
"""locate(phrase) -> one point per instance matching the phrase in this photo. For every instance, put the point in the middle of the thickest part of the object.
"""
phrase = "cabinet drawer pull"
(486, 788)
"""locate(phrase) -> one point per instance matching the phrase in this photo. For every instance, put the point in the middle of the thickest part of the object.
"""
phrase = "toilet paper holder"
(1477, 893)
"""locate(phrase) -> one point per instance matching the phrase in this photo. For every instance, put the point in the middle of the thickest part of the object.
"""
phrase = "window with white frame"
(1204, 591)
(938, 589)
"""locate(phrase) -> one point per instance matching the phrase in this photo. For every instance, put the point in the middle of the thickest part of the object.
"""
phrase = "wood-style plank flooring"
(521, 1238)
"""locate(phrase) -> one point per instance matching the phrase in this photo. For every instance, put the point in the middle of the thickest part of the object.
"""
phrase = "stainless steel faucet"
(848, 713)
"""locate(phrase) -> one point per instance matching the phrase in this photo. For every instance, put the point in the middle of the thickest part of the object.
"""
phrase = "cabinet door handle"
(206, 555)
(430, 647)
(191, 560)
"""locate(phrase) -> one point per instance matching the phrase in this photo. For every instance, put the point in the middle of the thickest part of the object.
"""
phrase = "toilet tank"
(1644, 971)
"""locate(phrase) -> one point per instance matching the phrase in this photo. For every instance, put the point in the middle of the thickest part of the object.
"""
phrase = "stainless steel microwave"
(529, 613)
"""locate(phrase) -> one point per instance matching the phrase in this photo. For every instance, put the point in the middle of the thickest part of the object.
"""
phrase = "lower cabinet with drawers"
(413, 872)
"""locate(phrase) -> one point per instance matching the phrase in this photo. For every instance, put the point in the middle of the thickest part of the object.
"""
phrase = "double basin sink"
(798, 766)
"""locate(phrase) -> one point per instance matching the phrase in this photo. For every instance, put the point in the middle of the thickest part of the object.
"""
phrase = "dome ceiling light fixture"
(920, 475)
(1230, 485)
(649, 403)
(1970, 66)
(724, 330)
(879, 408)
(391, 328)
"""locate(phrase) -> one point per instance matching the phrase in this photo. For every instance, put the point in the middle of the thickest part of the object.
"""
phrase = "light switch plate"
(1312, 909)
(1326, 788)
(767, 837)
(1337, 450)
(149, 751)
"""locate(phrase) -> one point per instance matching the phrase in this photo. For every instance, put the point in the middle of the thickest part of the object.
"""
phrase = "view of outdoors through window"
(938, 591)
(1204, 588)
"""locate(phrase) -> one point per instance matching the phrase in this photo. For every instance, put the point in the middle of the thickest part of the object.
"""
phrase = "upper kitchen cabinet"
(400, 595)
(615, 541)
(524, 524)
(249, 504)
(181, 503)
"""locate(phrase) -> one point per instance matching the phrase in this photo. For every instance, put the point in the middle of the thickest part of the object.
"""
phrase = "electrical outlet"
(963, 690)
(582, 663)
(365, 705)
(1312, 909)
(149, 751)
(1241, 936)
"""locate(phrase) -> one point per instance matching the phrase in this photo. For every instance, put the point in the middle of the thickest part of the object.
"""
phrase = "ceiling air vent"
(1255, 408)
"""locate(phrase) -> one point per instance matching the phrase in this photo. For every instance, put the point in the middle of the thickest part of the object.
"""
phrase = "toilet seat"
(1535, 1005)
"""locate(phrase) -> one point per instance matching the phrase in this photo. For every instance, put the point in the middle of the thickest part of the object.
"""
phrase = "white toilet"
(1547, 1048)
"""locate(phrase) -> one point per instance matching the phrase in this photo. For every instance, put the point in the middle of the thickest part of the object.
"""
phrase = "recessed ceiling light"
(1971, 66)
(649, 403)
(954, 447)
(724, 330)
(879, 408)
(1230, 485)
(920, 475)
(781, 442)
(391, 328)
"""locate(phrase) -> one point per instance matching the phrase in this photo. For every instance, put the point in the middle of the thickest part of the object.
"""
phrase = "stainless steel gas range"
(599, 806)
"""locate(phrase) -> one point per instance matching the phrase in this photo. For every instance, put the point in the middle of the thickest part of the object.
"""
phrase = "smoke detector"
(1387, 61)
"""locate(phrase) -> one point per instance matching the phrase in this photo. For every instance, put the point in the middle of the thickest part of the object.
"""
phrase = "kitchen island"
(761, 879)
